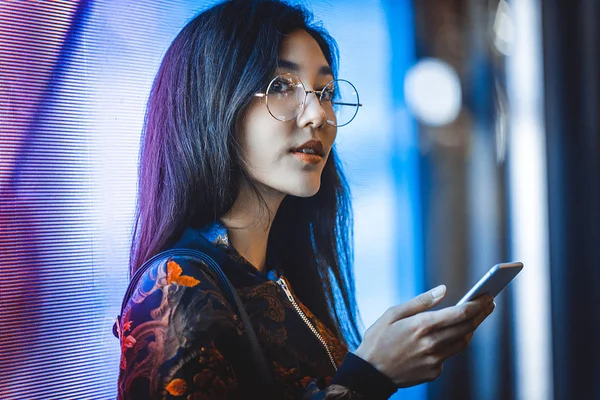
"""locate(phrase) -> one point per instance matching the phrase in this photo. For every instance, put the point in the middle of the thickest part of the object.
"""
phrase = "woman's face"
(272, 148)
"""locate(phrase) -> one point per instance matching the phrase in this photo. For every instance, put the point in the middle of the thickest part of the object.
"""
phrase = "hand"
(409, 344)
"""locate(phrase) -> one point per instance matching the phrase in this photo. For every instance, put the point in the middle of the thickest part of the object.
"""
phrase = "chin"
(305, 189)
(307, 193)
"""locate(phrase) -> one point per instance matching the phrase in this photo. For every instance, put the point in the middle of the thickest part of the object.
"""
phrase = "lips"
(311, 152)
(312, 147)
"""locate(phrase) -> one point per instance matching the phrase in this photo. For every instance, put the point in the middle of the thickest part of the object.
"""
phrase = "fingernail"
(438, 291)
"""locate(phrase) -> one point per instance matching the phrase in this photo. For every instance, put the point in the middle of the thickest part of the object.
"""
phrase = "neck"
(249, 222)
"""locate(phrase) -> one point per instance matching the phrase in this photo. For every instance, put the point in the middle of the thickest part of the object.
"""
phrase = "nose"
(312, 113)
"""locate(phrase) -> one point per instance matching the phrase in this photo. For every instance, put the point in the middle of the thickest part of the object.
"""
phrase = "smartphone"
(494, 281)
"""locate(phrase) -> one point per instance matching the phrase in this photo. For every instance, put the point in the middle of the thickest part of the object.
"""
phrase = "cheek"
(262, 138)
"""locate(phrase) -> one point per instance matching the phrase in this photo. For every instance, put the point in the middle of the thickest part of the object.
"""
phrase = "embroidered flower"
(127, 326)
(177, 387)
(129, 341)
(304, 381)
(216, 380)
(283, 372)
(174, 275)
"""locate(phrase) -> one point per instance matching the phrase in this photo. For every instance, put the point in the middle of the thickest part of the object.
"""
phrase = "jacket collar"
(217, 234)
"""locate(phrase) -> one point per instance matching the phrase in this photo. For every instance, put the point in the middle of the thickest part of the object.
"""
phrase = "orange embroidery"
(129, 342)
(127, 326)
(284, 372)
(174, 276)
(305, 381)
(177, 387)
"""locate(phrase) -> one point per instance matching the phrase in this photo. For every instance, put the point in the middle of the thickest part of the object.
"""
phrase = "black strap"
(204, 260)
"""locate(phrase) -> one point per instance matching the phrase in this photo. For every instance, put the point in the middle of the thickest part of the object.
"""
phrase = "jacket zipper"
(283, 285)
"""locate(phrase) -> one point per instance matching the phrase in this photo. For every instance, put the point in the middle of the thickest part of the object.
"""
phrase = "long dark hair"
(191, 164)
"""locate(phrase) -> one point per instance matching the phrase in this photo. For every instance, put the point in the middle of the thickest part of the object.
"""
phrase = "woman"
(238, 156)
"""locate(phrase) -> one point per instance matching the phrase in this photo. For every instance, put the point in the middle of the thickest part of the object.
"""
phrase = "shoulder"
(176, 313)
(170, 284)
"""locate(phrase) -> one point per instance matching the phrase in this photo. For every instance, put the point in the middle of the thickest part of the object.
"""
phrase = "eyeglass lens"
(286, 96)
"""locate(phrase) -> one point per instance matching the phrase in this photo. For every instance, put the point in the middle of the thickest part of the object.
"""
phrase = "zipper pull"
(283, 285)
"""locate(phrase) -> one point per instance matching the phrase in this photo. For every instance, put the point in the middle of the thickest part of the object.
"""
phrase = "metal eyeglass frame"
(318, 93)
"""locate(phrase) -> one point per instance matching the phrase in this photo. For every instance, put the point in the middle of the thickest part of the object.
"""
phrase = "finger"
(462, 342)
(418, 304)
(456, 314)
(456, 347)
(457, 331)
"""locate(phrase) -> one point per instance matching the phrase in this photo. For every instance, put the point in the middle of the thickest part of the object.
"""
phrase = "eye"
(282, 86)
(328, 93)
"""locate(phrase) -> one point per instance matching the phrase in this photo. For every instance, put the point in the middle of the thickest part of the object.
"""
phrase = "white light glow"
(503, 28)
(432, 91)
(529, 206)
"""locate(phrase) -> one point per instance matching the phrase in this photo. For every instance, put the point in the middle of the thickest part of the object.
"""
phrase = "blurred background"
(478, 143)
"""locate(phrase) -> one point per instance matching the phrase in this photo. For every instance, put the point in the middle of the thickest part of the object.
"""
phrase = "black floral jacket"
(180, 339)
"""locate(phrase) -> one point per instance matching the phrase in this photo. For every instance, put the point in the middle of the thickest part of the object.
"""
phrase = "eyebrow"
(292, 66)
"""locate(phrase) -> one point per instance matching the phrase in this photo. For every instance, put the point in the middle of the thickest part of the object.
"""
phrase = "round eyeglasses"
(286, 97)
